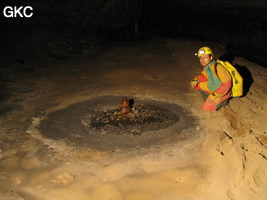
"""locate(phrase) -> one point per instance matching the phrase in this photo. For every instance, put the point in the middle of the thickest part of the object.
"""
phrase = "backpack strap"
(215, 68)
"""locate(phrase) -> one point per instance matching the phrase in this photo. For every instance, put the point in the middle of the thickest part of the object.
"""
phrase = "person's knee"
(209, 106)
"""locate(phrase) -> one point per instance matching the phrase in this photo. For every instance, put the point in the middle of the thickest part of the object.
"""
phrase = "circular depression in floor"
(95, 123)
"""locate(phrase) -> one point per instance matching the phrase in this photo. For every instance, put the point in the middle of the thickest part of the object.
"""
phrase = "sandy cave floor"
(217, 155)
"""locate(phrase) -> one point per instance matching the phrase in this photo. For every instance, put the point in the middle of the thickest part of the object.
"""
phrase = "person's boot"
(223, 104)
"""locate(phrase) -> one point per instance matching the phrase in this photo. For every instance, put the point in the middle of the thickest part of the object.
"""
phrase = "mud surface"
(93, 124)
(50, 147)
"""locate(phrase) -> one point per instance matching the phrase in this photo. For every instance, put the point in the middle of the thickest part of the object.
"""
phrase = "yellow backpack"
(237, 80)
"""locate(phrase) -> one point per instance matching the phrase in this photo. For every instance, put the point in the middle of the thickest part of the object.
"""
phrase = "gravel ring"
(68, 124)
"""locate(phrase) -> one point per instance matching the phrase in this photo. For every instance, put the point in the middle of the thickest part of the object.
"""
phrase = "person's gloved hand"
(194, 84)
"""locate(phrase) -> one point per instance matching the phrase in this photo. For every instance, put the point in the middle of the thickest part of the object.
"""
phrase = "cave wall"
(240, 25)
(99, 16)
(62, 28)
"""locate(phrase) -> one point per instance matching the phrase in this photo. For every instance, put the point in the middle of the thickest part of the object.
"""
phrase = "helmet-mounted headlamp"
(203, 51)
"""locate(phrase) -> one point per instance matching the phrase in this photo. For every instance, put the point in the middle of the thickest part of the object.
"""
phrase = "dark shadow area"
(131, 103)
(239, 26)
(4, 80)
(247, 78)
(3, 96)
(3, 92)
(5, 106)
(227, 57)
(69, 29)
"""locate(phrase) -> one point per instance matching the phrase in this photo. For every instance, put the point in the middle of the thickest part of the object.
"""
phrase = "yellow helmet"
(203, 51)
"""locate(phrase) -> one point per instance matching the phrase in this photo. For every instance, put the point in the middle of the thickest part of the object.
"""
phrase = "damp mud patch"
(141, 119)
(96, 124)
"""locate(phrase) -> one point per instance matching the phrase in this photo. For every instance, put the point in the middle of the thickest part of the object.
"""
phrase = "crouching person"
(214, 83)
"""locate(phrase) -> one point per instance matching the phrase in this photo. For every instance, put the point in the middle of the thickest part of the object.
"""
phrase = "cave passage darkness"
(239, 25)
(74, 60)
